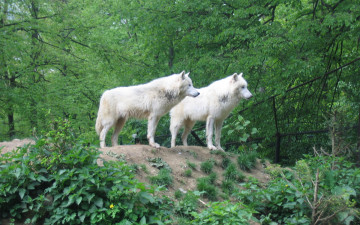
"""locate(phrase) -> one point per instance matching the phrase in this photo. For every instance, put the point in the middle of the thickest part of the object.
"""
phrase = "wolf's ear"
(241, 74)
(182, 74)
(235, 77)
(187, 74)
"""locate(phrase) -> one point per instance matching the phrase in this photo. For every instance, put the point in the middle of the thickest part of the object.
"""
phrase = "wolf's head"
(187, 87)
(240, 86)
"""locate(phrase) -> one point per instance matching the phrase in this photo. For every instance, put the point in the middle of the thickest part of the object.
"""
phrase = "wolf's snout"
(197, 94)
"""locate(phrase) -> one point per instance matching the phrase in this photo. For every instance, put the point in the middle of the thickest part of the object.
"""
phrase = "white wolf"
(213, 105)
(151, 101)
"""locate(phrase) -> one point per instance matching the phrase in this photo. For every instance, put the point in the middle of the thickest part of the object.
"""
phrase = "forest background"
(301, 60)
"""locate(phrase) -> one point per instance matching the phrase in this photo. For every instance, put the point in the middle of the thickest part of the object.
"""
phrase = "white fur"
(149, 101)
(213, 105)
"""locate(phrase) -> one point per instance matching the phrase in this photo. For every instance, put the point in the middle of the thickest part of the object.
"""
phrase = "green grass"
(207, 166)
(231, 173)
(191, 165)
(163, 178)
(247, 160)
(188, 173)
(210, 191)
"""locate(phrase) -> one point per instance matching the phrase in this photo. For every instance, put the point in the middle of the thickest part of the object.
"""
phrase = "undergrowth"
(58, 181)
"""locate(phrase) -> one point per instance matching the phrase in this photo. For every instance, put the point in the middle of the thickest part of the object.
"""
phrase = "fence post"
(277, 147)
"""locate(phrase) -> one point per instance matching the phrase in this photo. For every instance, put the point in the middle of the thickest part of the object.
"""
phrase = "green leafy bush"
(188, 204)
(247, 160)
(191, 165)
(207, 166)
(58, 181)
(206, 185)
(163, 178)
(226, 213)
(188, 173)
(231, 173)
(316, 189)
(225, 162)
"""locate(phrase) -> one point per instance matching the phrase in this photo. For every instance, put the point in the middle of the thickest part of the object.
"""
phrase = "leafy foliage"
(57, 181)
(224, 213)
(314, 191)
(163, 178)
(207, 166)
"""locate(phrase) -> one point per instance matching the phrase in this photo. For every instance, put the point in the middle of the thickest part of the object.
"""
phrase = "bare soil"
(177, 158)
(8, 146)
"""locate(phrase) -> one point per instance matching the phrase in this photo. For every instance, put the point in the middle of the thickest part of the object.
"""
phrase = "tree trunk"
(10, 116)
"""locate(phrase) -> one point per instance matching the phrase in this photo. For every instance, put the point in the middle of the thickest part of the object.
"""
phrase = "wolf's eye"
(243, 87)
(189, 85)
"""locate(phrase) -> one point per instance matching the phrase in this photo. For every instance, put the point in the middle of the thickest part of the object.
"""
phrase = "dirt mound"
(8, 146)
(177, 159)
(149, 160)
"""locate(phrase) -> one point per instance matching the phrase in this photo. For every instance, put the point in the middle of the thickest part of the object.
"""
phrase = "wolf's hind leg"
(117, 128)
(153, 121)
(188, 125)
(103, 132)
(174, 129)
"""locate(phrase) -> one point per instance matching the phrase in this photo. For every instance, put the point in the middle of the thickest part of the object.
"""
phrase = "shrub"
(316, 189)
(163, 178)
(225, 162)
(207, 166)
(231, 173)
(247, 160)
(191, 165)
(57, 181)
(188, 173)
(227, 186)
(226, 213)
(205, 185)
(178, 194)
(188, 204)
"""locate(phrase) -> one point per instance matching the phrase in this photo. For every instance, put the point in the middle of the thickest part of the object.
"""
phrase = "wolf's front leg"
(218, 127)
(152, 124)
(209, 133)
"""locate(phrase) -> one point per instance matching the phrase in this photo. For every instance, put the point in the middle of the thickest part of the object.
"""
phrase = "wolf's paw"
(155, 145)
(220, 148)
(212, 147)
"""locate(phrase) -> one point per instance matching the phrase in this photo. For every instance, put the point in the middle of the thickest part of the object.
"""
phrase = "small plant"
(247, 160)
(232, 174)
(188, 204)
(178, 194)
(227, 186)
(205, 185)
(163, 178)
(212, 177)
(226, 213)
(188, 173)
(191, 165)
(194, 154)
(144, 168)
(225, 162)
(207, 166)
(159, 163)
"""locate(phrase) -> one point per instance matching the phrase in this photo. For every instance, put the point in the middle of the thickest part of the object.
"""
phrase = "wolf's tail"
(98, 125)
